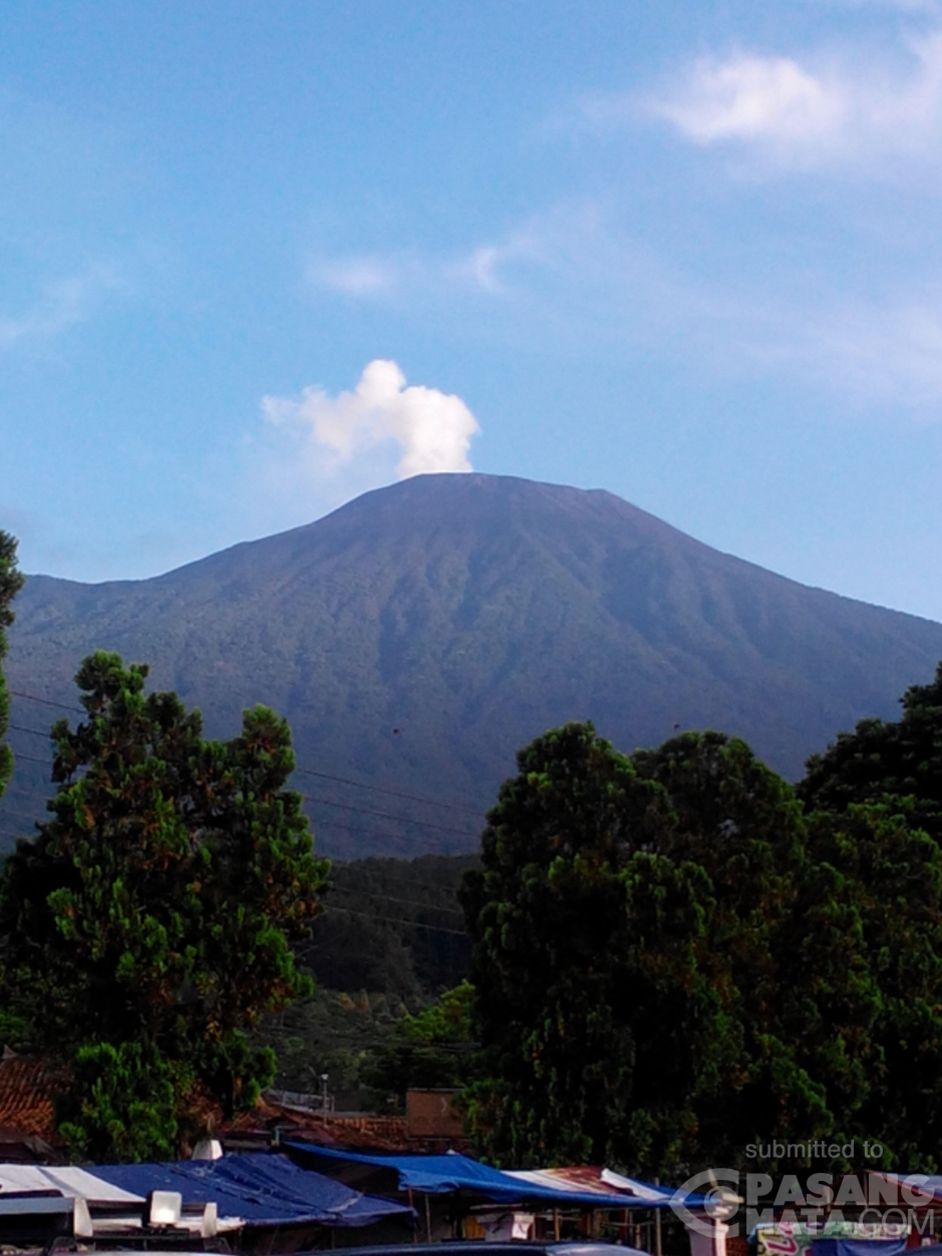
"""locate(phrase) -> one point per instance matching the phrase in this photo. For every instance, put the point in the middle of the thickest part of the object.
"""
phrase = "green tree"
(742, 826)
(123, 1104)
(886, 759)
(881, 1033)
(562, 915)
(673, 960)
(432, 1048)
(11, 581)
(159, 906)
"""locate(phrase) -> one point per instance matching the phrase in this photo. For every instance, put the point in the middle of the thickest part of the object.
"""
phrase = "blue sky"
(259, 258)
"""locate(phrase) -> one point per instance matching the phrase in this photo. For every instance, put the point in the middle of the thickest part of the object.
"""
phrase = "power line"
(15, 788)
(21, 797)
(391, 898)
(363, 893)
(442, 888)
(393, 793)
(320, 802)
(388, 920)
(377, 895)
(36, 732)
(32, 795)
(29, 758)
(17, 815)
(353, 1039)
(326, 802)
(327, 776)
(389, 875)
(386, 815)
(359, 830)
(32, 697)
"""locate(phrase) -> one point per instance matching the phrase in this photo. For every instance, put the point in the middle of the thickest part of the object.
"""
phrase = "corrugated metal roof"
(595, 1179)
(69, 1180)
(582, 1178)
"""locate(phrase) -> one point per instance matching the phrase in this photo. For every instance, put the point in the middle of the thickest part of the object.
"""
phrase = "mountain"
(419, 635)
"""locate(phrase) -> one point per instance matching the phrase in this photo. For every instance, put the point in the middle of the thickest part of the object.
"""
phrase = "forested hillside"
(415, 638)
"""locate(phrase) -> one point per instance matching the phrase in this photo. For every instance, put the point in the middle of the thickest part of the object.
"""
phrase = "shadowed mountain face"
(418, 636)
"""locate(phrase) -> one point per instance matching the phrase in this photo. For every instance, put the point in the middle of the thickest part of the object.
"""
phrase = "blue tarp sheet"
(860, 1247)
(437, 1175)
(261, 1188)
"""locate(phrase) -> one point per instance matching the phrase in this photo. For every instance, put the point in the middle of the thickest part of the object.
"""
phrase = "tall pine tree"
(150, 926)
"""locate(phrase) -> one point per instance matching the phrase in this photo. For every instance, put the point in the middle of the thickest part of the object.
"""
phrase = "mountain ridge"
(418, 635)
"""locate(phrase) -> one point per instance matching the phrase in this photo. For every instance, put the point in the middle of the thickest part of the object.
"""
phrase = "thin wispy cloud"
(590, 278)
(362, 276)
(488, 267)
(577, 274)
(61, 305)
(429, 430)
(496, 266)
(912, 8)
(482, 268)
(804, 112)
(866, 354)
(890, 353)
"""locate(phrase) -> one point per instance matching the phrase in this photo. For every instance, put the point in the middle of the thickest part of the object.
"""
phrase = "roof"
(598, 1180)
(347, 1129)
(68, 1180)
(261, 1188)
(436, 1175)
(28, 1088)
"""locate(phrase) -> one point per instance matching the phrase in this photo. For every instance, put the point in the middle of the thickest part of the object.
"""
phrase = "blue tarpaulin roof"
(260, 1188)
(436, 1175)
(860, 1247)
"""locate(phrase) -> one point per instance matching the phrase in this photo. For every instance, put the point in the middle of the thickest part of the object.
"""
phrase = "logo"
(786, 1214)
(707, 1198)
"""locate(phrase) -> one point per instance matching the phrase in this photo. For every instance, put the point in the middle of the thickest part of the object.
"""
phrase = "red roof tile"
(27, 1096)
(28, 1088)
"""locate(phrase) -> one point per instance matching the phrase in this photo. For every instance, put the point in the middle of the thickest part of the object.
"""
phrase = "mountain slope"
(417, 636)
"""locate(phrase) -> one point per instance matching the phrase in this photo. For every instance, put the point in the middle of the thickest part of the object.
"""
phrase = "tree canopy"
(674, 959)
(886, 759)
(151, 923)
(562, 916)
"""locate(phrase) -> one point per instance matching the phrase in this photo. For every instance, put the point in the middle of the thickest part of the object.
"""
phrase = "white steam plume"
(432, 429)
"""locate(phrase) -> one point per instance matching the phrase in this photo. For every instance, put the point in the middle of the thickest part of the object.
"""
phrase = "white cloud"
(485, 268)
(429, 429)
(889, 353)
(750, 97)
(876, 354)
(920, 8)
(357, 276)
(870, 344)
(811, 112)
(61, 305)
(482, 267)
